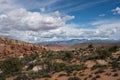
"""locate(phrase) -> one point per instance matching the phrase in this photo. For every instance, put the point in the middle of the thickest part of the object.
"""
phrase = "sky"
(59, 20)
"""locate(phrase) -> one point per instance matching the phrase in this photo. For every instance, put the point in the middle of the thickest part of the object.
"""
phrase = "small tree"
(90, 46)
(67, 56)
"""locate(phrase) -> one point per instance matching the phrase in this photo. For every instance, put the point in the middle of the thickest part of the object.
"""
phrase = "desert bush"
(97, 76)
(93, 78)
(66, 55)
(90, 57)
(90, 46)
(34, 75)
(114, 70)
(49, 54)
(3, 76)
(85, 78)
(60, 75)
(46, 75)
(75, 73)
(103, 53)
(99, 71)
(11, 65)
(113, 48)
(59, 66)
(28, 58)
(22, 77)
(74, 78)
(71, 68)
(90, 76)
(115, 64)
(81, 74)
(98, 66)
(115, 74)
(0, 64)
(108, 74)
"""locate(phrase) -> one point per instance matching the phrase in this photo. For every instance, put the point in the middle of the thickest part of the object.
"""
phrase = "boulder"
(36, 68)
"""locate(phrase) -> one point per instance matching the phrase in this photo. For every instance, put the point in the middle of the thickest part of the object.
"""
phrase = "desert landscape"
(87, 61)
(59, 39)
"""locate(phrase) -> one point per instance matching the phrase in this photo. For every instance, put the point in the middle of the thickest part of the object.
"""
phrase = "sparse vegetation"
(11, 65)
(99, 71)
(71, 63)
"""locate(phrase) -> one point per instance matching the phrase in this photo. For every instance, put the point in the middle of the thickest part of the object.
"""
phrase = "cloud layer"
(21, 19)
(19, 22)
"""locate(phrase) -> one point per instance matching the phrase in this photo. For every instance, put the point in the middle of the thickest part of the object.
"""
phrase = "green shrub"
(115, 74)
(90, 57)
(66, 55)
(75, 73)
(22, 77)
(99, 71)
(60, 75)
(11, 65)
(115, 64)
(113, 48)
(97, 76)
(98, 66)
(3, 76)
(90, 76)
(74, 78)
(71, 68)
(46, 75)
(34, 75)
(59, 67)
(108, 74)
(85, 78)
(90, 46)
(103, 53)
(28, 58)
(81, 74)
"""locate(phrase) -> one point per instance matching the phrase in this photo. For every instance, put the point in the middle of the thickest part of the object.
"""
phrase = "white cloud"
(21, 19)
(30, 26)
(116, 10)
(7, 5)
(101, 14)
(66, 18)
(108, 28)
(104, 30)
(20, 23)
(84, 5)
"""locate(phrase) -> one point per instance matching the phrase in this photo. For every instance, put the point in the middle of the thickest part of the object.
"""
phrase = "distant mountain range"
(74, 41)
